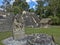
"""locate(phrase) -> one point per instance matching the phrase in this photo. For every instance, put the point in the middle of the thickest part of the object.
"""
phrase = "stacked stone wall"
(6, 24)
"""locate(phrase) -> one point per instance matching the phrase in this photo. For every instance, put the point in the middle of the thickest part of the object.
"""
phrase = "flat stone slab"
(10, 41)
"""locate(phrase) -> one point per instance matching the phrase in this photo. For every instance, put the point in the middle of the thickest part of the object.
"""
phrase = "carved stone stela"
(18, 28)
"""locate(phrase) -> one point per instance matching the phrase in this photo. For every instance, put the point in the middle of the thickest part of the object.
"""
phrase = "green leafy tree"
(55, 20)
(17, 7)
(31, 10)
(40, 8)
(20, 6)
(54, 5)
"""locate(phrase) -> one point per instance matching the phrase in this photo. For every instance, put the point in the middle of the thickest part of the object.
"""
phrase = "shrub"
(55, 20)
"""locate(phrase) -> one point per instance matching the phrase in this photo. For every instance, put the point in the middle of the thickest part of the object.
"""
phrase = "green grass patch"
(55, 31)
(4, 35)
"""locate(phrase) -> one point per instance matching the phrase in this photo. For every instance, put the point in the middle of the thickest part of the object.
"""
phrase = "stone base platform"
(34, 39)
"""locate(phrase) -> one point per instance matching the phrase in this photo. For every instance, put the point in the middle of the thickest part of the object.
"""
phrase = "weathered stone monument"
(18, 28)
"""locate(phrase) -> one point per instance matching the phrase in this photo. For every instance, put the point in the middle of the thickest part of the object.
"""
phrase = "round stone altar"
(34, 39)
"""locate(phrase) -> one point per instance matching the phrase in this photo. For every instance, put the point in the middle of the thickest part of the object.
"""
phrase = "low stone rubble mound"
(40, 39)
(34, 39)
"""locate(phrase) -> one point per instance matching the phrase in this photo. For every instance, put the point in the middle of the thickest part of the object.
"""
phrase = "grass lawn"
(4, 35)
(55, 31)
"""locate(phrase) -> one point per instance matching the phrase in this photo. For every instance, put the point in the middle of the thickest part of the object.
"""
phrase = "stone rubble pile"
(40, 39)
(34, 39)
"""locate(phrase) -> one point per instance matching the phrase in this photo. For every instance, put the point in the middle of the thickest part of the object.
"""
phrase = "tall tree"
(20, 5)
(54, 5)
(40, 8)
(17, 7)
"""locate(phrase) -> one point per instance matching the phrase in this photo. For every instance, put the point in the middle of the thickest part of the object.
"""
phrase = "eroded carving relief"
(18, 29)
